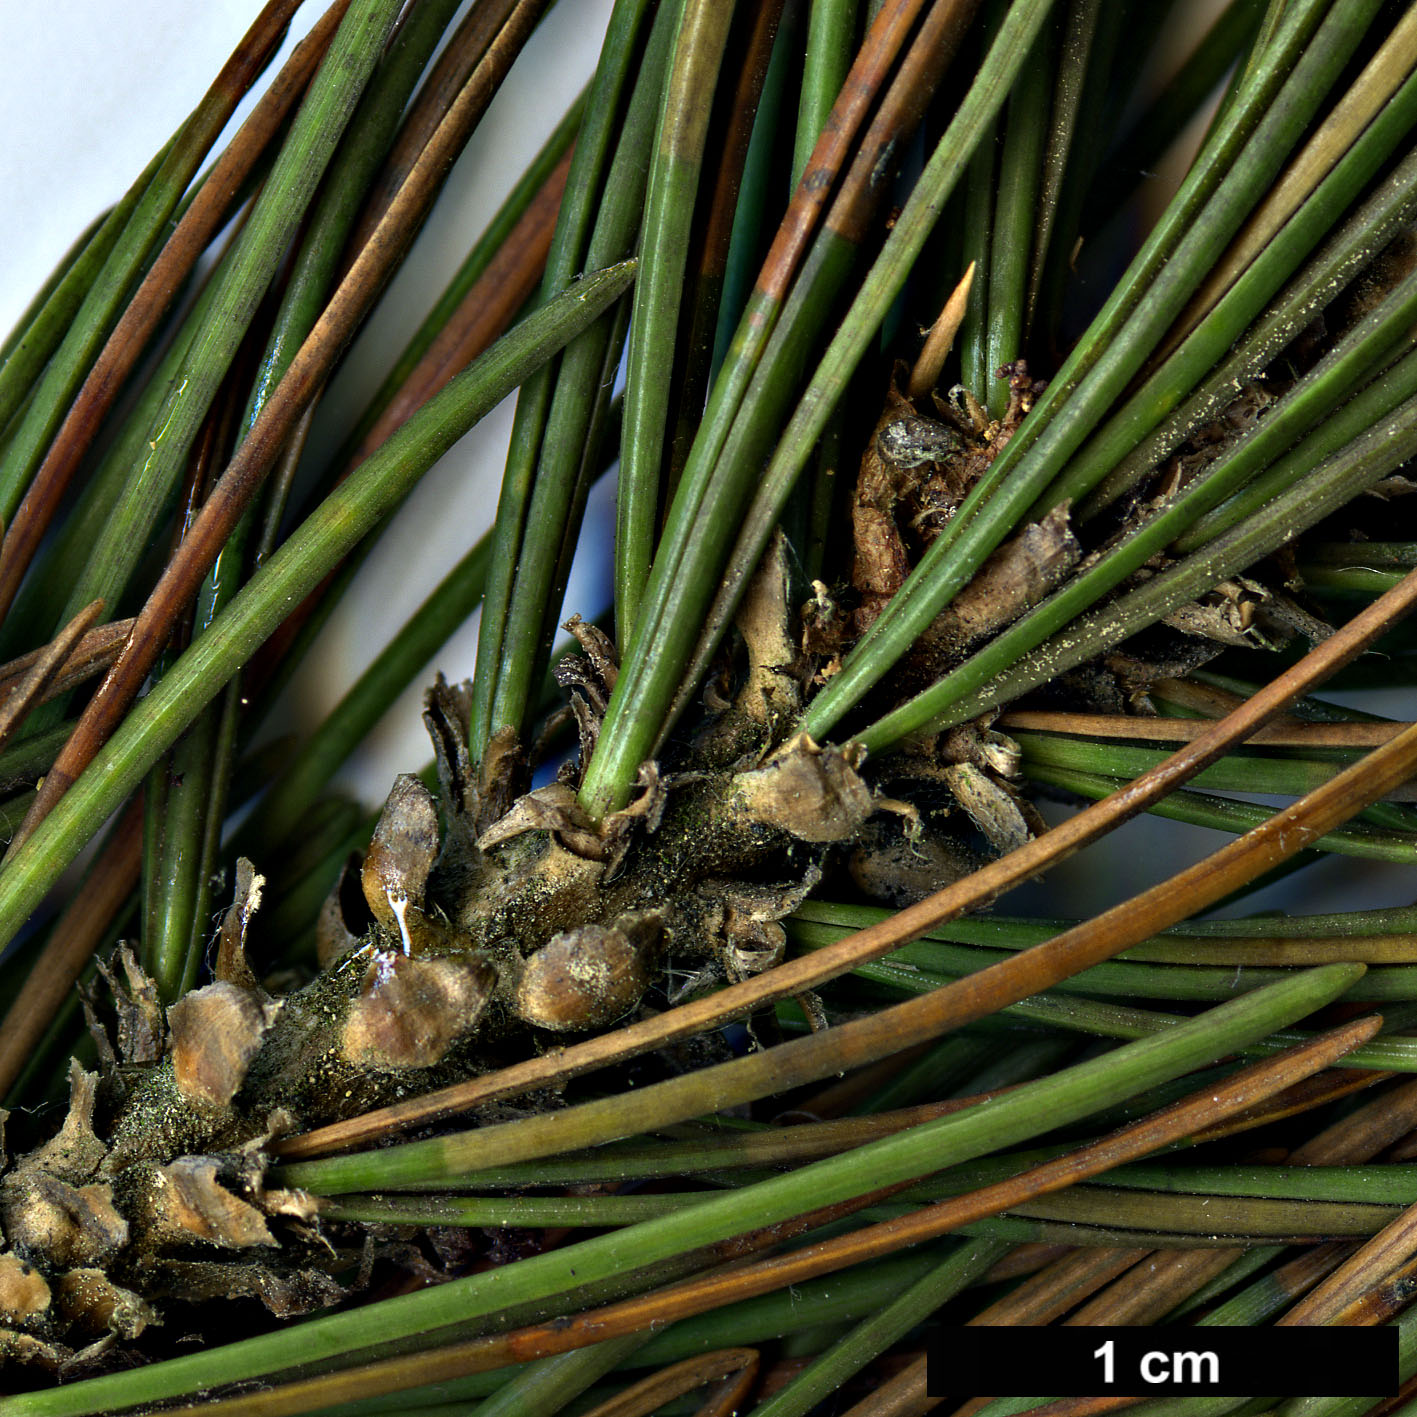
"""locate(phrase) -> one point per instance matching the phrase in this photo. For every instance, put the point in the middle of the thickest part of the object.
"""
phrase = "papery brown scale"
(90, 1299)
(185, 1202)
(410, 1012)
(231, 962)
(333, 936)
(403, 851)
(75, 1153)
(24, 1295)
(67, 1225)
(589, 977)
(216, 1034)
(813, 793)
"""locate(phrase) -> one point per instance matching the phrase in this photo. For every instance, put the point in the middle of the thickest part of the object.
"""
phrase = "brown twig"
(848, 1093)
(1398, 1402)
(1205, 699)
(732, 1395)
(1028, 973)
(202, 220)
